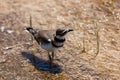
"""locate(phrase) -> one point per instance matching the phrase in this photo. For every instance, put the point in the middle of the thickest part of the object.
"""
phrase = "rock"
(2, 60)
(9, 31)
(2, 29)
(7, 48)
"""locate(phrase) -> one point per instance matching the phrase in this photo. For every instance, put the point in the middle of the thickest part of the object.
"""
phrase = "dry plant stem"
(97, 45)
(32, 41)
(96, 20)
(83, 51)
(14, 46)
(97, 38)
(30, 21)
(31, 27)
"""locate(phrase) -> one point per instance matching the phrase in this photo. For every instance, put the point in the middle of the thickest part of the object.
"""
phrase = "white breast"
(48, 47)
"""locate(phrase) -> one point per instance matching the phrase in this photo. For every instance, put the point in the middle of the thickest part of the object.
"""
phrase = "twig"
(83, 51)
(31, 27)
(98, 44)
(10, 47)
(32, 40)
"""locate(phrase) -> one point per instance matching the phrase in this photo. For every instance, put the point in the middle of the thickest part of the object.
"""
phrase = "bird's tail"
(31, 30)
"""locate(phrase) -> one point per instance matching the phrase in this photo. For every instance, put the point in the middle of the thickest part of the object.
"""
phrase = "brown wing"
(44, 35)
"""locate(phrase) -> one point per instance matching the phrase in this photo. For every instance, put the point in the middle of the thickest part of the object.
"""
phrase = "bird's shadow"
(41, 64)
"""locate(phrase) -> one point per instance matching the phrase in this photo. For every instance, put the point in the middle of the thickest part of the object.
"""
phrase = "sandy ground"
(76, 60)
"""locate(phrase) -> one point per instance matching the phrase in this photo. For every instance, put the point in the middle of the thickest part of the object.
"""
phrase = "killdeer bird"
(50, 40)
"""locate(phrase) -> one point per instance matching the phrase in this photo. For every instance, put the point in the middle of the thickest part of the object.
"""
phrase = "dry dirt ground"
(86, 54)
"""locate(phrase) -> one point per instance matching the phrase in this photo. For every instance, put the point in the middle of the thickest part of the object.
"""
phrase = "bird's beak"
(67, 30)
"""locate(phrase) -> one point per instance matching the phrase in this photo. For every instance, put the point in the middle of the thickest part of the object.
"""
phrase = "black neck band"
(59, 40)
(57, 46)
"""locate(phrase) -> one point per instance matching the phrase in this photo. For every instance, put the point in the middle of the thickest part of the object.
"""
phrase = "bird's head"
(63, 32)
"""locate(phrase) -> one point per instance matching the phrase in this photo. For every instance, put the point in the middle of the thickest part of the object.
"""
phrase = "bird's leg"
(50, 59)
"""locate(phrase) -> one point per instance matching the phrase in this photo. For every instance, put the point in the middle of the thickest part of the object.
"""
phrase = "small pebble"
(10, 31)
(6, 48)
(2, 28)
(2, 60)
